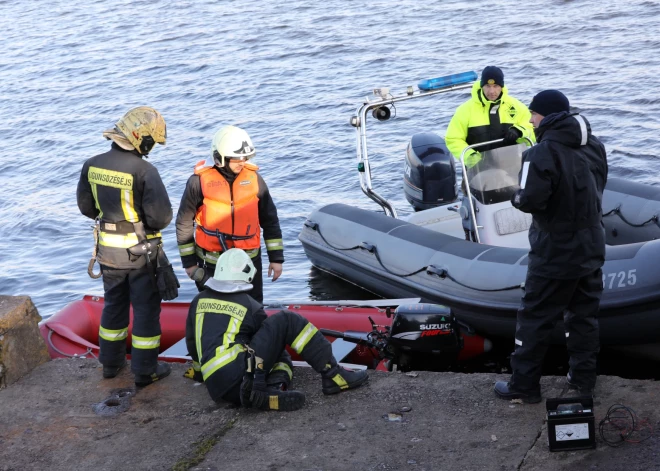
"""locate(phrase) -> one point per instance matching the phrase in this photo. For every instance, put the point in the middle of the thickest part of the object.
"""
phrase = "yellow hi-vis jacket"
(481, 120)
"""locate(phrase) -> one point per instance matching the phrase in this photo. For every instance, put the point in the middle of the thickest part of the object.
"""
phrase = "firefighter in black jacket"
(226, 203)
(561, 185)
(126, 195)
(239, 352)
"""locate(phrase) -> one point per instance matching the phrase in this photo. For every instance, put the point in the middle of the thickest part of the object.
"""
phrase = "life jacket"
(232, 210)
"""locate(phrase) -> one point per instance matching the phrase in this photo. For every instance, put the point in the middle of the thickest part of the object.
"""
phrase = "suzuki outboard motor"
(429, 178)
(423, 334)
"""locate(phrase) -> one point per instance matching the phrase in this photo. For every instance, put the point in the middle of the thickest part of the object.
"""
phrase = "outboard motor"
(429, 178)
(424, 334)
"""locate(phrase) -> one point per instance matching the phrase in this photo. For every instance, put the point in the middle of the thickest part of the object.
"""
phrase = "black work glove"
(512, 135)
(259, 394)
(168, 284)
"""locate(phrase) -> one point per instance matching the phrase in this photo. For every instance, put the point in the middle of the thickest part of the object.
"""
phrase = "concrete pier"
(64, 416)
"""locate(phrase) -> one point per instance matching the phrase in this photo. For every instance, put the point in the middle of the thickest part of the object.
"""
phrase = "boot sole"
(287, 403)
(525, 399)
(337, 389)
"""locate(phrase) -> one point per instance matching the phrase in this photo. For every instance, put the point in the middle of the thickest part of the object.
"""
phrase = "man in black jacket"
(238, 351)
(561, 185)
(126, 194)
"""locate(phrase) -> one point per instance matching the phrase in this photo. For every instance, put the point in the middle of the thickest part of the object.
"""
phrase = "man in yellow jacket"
(491, 113)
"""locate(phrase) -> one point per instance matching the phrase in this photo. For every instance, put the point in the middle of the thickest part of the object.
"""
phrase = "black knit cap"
(492, 75)
(548, 102)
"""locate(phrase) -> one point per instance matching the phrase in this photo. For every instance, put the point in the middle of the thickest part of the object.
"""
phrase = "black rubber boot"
(272, 398)
(337, 378)
(577, 390)
(112, 371)
(504, 391)
(162, 370)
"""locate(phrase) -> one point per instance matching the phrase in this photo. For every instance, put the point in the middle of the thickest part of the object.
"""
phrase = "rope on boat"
(75, 355)
(315, 227)
(430, 269)
(617, 212)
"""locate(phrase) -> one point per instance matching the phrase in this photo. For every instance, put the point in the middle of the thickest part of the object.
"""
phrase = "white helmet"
(234, 272)
(231, 142)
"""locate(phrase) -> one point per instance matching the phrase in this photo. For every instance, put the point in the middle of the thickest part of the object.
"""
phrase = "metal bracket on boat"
(383, 100)
(367, 246)
(312, 225)
(438, 271)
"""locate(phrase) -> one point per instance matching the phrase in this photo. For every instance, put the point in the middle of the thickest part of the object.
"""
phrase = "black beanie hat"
(492, 74)
(548, 102)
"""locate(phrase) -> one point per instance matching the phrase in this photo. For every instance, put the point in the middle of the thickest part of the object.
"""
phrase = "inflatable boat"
(468, 249)
(379, 334)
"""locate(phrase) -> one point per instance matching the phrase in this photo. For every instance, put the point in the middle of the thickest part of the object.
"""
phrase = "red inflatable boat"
(73, 332)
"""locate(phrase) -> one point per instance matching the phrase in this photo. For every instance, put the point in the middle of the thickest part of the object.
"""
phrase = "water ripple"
(292, 77)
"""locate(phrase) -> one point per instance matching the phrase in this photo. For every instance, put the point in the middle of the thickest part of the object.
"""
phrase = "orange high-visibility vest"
(230, 210)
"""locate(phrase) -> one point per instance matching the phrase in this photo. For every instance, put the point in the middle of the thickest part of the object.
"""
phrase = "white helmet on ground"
(231, 142)
(234, 272)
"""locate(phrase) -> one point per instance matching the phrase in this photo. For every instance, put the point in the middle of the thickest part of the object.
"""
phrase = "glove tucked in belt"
(167, 282)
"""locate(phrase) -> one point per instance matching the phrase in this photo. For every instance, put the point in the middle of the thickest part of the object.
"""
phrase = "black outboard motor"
(429, 178)
(423, 335)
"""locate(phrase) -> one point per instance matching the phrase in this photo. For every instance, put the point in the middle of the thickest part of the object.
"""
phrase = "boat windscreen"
(495, 177)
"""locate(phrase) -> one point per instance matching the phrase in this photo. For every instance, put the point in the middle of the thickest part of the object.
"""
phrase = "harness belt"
(223, 236)
(121, 227)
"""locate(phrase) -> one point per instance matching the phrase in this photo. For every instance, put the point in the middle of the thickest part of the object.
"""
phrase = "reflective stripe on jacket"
(228, 209)
(121, 188)
(217, 328)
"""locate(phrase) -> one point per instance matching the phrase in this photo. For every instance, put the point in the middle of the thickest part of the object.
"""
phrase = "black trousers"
(257, 291)
(544, 303)
(279, 330)
(123, 288)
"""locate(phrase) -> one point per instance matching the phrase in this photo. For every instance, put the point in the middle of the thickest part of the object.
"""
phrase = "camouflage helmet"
(143, 127)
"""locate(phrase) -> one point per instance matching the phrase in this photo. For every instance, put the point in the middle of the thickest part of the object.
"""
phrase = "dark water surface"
(291, 73)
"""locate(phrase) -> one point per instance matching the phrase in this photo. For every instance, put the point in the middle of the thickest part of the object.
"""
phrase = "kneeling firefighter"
(126, 196)
(239, 351)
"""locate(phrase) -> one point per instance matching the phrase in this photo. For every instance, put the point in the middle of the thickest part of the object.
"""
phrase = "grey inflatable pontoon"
(470, 253)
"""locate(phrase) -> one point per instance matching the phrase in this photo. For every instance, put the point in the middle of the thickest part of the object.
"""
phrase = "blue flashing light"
(447, 81)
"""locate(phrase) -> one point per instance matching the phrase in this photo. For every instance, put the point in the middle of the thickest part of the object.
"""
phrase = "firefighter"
(126, 195)
(226, 203)
(239, 352)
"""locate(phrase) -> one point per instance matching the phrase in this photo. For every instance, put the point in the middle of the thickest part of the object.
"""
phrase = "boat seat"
(511, 220)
